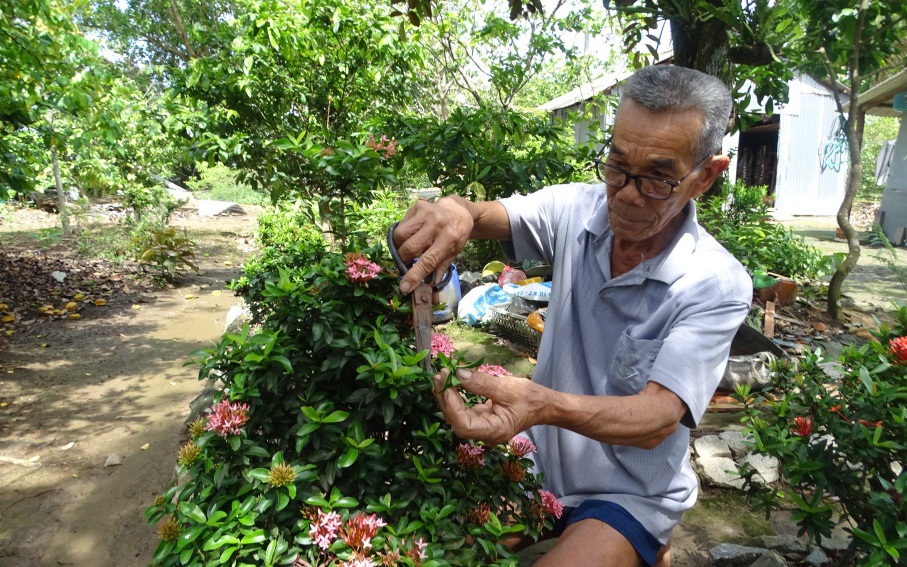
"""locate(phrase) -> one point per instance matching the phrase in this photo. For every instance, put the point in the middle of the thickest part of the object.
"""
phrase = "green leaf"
(193, 511)
(234, 441)
(348, 459)
(336, 417)
(282, 500)
(867, 381)
(257, 536)
(227, 554)
(189, 535)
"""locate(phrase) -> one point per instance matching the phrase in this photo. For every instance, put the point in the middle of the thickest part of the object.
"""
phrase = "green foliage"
(487, 153)
(740, 42)
(738, 219)
(340, 176)
(168, 252)
(339, 417)
(877, 131)
(836, 440)
(218, 182)
(371, 220)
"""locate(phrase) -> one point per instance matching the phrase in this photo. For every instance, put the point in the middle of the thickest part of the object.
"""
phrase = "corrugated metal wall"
(807, 122)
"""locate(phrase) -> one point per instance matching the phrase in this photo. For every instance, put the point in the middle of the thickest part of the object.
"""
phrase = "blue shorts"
(645, 544)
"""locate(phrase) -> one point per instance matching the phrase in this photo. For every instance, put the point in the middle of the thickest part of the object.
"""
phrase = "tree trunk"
(61, 196)
(853, 130)
(854, 172)
(327, 223)
(703, 46)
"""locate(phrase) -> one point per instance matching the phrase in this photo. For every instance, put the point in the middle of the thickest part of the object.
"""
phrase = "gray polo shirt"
(670, 320)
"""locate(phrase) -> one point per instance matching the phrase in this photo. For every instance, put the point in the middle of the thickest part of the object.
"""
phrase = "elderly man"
(643, 309)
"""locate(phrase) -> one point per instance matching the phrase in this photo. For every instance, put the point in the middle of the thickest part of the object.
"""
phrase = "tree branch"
(181, 29)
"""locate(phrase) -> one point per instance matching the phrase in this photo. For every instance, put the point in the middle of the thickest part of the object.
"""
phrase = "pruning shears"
(421, 298)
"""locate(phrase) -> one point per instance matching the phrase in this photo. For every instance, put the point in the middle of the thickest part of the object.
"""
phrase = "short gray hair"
(668, 87)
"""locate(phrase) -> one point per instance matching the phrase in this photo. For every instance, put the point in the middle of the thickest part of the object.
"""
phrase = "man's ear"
(709, 172)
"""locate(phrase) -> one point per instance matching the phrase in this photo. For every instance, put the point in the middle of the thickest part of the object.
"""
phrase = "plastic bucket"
(450, 295)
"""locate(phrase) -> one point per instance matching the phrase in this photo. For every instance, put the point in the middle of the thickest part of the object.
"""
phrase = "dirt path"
(111, 382)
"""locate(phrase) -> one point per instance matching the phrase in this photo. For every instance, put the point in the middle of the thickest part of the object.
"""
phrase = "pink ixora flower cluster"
(520, 446)
(551, 504)
(359, 269)
(441, 343)
(323, 529)
(470, 456)
(226, 418)
(494, 370)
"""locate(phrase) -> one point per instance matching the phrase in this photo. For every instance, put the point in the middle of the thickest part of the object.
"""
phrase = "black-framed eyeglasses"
(649, 186)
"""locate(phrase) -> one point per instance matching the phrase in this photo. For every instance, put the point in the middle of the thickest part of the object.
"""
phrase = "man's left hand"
(513, 405)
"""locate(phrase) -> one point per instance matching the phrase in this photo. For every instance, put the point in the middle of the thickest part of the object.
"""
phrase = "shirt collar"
(673, 261)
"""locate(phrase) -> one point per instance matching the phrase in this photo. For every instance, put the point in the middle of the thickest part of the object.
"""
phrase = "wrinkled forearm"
(643, 420)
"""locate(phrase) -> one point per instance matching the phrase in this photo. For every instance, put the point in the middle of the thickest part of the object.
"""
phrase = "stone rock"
(783, 543)
(835, 543)
(736, 442)
(816, 558)
(733, 555)
(113, 460)
(715, 472)
(766, 467)
(237, 316)
(770, 559)
(711, 446)
(896, 468)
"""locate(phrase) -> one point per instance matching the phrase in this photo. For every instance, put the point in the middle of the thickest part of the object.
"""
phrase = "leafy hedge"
(328, 447)
(738, 219)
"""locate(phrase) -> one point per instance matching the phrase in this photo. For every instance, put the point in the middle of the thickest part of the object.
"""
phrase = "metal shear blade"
(421, 298)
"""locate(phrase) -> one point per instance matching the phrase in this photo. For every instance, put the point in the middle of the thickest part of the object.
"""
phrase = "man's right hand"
(435, 233)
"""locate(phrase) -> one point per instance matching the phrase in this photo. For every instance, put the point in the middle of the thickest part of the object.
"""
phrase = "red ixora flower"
(441, 343)
(385, 146)
(359, 269)
(494, 370)
(513, 471)
(480, 514)
(360, 529)
(520, 446)
(803, 426)
(551, 504)
(470, 456)
(899, 348)
(226, 418)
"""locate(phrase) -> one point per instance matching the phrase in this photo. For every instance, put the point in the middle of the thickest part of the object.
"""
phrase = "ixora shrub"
(841, 444)
(328, 448)
(738, 218)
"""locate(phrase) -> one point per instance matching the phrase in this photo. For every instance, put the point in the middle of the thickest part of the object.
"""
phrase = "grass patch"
(475, 343)
(727, 517)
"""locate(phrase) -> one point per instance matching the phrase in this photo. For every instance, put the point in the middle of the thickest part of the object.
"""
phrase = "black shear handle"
(430, 278)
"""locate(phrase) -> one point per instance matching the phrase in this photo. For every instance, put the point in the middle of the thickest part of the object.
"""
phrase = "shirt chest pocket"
(631, 365)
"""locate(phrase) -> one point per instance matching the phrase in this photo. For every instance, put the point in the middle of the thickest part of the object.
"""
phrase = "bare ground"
(113, 381)
(73, 392)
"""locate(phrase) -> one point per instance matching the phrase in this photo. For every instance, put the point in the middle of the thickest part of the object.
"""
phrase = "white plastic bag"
(533, 292)
(474, 305)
